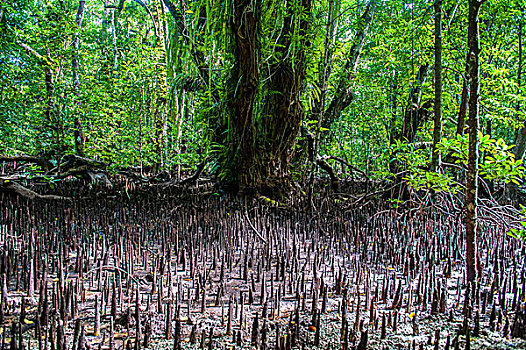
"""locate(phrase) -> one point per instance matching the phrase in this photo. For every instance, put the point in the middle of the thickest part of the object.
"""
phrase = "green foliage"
(497, 162)
(416, 162)
(163, 101)
(520, 233)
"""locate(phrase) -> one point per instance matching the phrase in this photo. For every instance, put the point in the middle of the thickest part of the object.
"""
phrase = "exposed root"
(335, 181)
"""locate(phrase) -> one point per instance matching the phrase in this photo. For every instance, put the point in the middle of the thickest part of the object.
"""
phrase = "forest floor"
(221, 264)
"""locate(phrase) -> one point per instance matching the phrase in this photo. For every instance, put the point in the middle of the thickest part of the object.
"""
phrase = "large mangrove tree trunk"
(242, 154)
(283, 111)
(259, 149)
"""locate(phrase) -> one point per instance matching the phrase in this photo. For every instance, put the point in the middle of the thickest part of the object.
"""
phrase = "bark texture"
(415, 113)
(437, 129)
(325, 65)
(414, 116)
(520, 141)
(344, 95)
(473, 147)
(245, 81)
(283, 110)
(461, 120)
(78, 132)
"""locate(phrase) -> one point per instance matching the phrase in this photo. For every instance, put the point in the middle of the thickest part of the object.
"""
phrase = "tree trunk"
(160, 88)
(283, 109)
(520, 141)
(318, 110)
(50, 91)
(105, 17)
(215, 115)
(414, 116)
(344, 95)
(325, 65)
(393, 92)
(415, 113)
(78, 133)
(259, 153)
(176, 95)
(437, 129)
(473, 148)
(461, 120)
(520, 133)
(245, 80)
(48, 64)
(114, 40)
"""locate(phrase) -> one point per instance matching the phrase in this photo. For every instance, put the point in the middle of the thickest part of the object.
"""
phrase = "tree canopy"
(262, 94)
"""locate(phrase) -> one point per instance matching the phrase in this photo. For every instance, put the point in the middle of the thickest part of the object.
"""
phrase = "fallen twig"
(255, 230)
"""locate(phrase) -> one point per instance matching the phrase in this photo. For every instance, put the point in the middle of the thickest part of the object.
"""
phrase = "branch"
(452, 121)
(121, 6)
(345, 96)
(422, 145)
(255, 230)
(82, 160)
(28, 159)
(7, 185)
(195, 175)
(335, 181)
(346, 163)
(45, 61)
(453, 165)
(369, 195)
